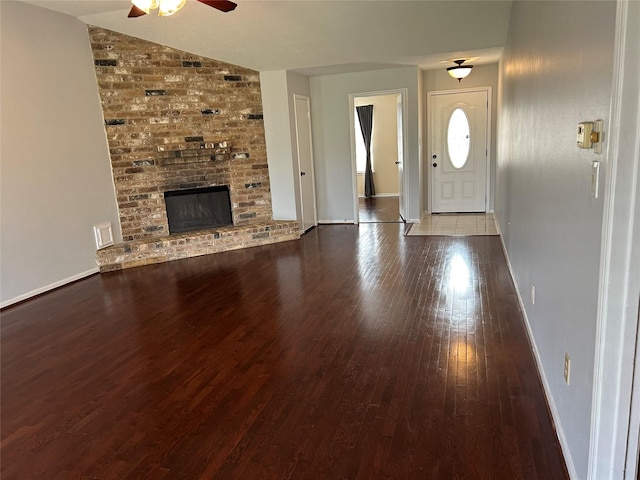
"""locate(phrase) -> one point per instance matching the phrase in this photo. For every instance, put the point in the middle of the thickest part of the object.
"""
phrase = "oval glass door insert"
(458, 141)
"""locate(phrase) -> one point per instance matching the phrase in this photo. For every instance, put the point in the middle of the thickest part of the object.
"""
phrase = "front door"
(458, 157)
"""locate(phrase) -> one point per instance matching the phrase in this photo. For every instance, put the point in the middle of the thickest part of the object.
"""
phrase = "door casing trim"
(403, 92)
(297, 96)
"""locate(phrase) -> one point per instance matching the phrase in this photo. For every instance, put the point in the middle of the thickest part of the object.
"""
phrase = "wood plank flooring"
(354, 353)
(379, 209)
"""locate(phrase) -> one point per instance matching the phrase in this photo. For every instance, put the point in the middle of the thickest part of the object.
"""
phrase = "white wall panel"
(56, 178)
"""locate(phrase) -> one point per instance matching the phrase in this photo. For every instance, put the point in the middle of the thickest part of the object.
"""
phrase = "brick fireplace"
(175, 121)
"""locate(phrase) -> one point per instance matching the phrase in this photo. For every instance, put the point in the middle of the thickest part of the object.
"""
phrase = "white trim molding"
(336, 222)
(614, 415)
(403, 92)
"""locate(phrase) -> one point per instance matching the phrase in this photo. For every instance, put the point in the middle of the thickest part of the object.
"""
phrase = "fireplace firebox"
(198, 208)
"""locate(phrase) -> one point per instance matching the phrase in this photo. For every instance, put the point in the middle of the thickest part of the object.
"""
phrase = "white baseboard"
(573, 475)
(46, 288)
(381, 195)
(336, 222)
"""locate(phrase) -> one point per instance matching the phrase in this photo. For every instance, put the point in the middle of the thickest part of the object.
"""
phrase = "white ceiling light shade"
(169, 7)
(460, 71)
(146, 5)
(165, 7)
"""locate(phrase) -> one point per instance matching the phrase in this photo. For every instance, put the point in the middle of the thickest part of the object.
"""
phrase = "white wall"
(280, 149)
(56, 178)
(278, 89)
(330, 119)
(556, 71)
(481, 76)
(384, 144)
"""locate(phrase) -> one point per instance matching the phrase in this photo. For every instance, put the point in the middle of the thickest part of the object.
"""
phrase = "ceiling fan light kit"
(165, 7)
(460, 71)
(146, 5)
(169, 7)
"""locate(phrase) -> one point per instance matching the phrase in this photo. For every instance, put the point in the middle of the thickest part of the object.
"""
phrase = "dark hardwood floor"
(354, 353)
(379, 210)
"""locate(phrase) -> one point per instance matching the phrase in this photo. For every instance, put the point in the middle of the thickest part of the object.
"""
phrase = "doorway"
(379, 210)
(387, 157)
(459, 132)
(304, 150)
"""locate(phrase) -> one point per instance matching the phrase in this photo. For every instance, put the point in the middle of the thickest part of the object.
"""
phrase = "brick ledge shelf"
(192, 244)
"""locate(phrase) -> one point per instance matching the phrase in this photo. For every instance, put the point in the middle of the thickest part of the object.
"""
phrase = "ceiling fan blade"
(222, 5)
(136, 12)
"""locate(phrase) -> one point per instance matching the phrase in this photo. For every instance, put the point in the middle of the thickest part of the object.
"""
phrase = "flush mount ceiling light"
(460, 71)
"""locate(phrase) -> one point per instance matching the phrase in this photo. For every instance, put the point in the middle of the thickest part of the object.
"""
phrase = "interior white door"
(305, 163)
(458, 127)
(400, 160)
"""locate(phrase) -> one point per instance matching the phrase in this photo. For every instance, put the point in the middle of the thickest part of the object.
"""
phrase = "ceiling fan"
(169, 7)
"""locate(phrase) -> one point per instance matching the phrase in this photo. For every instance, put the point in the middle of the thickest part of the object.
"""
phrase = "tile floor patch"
(466, 224)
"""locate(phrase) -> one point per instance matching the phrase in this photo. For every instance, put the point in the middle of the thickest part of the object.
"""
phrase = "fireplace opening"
(198, 208)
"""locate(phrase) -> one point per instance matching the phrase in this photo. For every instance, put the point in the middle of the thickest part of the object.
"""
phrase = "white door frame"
(299, 169)
(429, 179)
(615, 413)
(403, 92)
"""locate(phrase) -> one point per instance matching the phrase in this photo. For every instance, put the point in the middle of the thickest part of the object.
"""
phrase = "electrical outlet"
(567, 368)
(533, 294)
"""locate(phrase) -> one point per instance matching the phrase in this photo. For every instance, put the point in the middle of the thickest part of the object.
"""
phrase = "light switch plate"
(567, 368)
(595, 178)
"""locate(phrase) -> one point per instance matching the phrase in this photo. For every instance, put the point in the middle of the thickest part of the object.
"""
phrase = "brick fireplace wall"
(175, 121)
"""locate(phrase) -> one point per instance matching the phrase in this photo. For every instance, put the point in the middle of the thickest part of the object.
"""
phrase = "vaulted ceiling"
(315, 36)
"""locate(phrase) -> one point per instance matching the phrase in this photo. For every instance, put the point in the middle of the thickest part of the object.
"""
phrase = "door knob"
(435, 164)
(302, 174)
(434, 156)
(397, 163)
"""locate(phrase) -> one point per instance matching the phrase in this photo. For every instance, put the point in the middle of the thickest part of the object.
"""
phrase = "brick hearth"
(185, 245)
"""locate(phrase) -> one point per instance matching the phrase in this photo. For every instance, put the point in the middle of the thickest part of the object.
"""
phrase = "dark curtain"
(365, 116)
